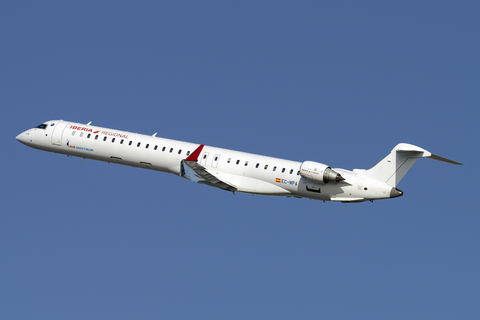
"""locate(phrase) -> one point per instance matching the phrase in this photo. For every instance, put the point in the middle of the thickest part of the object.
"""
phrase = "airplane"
(229, 170)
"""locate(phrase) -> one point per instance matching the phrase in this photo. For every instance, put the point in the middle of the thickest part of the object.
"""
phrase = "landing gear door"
(58, 132)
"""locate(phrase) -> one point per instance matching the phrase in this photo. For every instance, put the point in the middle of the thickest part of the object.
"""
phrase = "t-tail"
(395, 165)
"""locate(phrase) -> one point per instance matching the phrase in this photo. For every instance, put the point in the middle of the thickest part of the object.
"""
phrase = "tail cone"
(395, 193)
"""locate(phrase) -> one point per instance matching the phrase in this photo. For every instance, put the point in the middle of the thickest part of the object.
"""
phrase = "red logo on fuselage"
(83, 129)
(107, 133)
(115, 134)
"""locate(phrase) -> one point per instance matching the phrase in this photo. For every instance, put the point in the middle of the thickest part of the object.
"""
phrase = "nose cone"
(395, 193)
(23, 137)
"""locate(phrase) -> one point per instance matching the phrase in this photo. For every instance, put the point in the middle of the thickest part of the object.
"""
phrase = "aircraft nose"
(22, 137)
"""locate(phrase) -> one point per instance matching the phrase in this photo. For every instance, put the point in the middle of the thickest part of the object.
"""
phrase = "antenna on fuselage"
(89, 123)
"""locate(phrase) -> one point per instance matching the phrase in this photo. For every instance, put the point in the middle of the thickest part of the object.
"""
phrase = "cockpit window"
(42, 126)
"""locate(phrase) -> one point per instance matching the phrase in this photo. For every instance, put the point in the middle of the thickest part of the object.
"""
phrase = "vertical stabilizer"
(395, 165)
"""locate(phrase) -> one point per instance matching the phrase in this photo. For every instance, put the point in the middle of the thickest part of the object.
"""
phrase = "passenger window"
(155, 148)
(146, 147)
(163, 149)
(257, 165)
(121, 141)
(105, 138)
(246, 163)
(216, 158)
(238, 161)
(113, 140)
(171, 150)
(283, 170)
(73, 133)
(180, 151)
(88, 135)
(291, 171)
(81, 134)
(229, 159)
(138, 144)
(266, 166)
(274, 168)
(130, 143)
(204, 156)
(96, 137)
(188, 153)
(298, 173)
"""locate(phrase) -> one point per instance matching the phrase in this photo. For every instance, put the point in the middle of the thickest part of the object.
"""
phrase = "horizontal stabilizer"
(435, 157)
(422, 153)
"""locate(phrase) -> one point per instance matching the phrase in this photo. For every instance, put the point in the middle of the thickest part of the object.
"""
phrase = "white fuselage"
(249, 173)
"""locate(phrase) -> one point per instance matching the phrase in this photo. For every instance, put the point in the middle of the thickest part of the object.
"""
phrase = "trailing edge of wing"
(195, 172)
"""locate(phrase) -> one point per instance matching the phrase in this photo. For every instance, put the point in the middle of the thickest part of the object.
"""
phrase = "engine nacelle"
(319, 172)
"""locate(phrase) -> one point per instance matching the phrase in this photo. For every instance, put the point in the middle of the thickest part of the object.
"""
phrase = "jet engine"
(319, 172)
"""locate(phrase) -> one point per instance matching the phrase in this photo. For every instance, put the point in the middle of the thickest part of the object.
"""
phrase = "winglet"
(195, 154)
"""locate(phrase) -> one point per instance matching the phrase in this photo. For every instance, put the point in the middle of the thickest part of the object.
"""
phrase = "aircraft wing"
(192, 170)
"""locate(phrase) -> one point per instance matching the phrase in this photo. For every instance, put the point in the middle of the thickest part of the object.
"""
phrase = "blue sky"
(338, 83)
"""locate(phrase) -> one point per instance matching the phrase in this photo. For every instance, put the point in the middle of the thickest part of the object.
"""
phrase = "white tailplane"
(395, 165)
